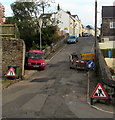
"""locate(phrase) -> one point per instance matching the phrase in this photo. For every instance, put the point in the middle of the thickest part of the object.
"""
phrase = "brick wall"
(13, 53)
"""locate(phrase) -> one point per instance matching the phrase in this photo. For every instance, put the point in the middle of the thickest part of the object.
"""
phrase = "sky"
(85, 9)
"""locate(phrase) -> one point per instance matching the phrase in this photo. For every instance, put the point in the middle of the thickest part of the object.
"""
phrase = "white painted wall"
(67, 23)
(110, 62)
(107, 45)
(71, 26)
(63, 19)
(78, 26)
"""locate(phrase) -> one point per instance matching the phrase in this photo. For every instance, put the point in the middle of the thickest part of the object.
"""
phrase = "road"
(56, 92)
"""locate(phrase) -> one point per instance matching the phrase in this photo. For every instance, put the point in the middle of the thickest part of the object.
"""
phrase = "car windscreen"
(72, 37)
(36, 55)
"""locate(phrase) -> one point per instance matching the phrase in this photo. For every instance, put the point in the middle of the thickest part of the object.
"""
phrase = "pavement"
(27, 75)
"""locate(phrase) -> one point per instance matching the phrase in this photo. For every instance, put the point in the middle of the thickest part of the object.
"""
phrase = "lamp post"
(40, 24)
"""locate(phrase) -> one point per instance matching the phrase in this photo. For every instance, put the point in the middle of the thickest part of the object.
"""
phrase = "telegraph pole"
(95, 47)
(95, 21)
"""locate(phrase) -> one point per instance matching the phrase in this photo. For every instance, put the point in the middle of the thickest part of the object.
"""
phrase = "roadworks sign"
(99, 92)
(11, 73)
(88, 56)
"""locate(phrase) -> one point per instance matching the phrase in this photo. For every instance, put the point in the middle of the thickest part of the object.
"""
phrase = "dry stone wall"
(13, 53)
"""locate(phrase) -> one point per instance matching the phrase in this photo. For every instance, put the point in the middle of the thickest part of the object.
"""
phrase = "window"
(112, 25)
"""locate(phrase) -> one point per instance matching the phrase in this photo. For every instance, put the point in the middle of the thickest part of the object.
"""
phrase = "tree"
(26, 17)
(25, 14)
(43, 4)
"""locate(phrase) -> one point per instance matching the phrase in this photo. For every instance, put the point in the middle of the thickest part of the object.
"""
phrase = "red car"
(35, 59)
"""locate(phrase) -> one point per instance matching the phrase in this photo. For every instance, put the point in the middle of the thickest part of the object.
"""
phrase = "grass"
(6, 80)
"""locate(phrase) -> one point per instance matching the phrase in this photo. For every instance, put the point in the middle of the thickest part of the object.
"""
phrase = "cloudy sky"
(85, 9)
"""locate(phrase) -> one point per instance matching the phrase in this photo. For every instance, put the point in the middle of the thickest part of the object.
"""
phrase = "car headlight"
(42, 63)
(29, 63)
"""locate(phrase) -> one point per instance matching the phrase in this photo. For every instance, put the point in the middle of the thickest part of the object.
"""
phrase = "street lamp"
(40, 24)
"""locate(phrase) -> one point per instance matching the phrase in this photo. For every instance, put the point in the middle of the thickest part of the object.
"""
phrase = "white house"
(65, 22)
(77, 25)
(61, 19)
(68, 23)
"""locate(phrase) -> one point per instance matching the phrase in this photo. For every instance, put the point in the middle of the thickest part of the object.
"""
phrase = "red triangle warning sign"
(99, 92)
(11, 73)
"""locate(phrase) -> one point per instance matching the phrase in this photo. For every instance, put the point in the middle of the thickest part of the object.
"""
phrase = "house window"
(112, 25)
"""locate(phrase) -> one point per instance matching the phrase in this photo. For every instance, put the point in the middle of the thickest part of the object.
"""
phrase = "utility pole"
(43, 5)
(95, 21)
(95, 36)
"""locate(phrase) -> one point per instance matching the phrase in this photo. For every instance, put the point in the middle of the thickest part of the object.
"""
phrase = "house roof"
(76, 16)
(108, 11)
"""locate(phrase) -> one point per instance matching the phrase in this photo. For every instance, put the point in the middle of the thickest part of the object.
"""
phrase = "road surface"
(56, 92)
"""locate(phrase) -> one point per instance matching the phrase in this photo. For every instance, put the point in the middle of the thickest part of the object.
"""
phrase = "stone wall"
(106, 31)
(102, 68)
(13, 53)
(0, 59)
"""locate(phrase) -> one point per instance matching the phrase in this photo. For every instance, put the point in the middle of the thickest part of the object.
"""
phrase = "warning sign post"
(99, 93)
(11, 73)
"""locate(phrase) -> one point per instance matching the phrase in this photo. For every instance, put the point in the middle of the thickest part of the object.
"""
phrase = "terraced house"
(72, 25)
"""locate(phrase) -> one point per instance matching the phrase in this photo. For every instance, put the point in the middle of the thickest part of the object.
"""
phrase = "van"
(35, 59)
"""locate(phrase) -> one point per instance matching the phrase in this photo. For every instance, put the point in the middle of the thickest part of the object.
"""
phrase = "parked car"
(35, 59)
(87, 35)
(72, 39)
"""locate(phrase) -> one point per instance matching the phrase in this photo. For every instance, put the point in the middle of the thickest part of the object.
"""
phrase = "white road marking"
(57, 53)
(100, 109)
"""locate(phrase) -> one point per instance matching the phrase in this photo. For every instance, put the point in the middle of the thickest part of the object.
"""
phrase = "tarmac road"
(56, 92)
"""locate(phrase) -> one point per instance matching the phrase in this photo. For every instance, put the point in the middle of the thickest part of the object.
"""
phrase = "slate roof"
(108, 11)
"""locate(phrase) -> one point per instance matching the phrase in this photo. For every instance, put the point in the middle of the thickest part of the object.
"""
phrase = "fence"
(9, 30)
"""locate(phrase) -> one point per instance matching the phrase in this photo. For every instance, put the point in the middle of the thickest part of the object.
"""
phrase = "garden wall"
(13, 53)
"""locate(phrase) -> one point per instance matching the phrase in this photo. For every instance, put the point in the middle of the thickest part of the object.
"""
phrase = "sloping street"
(56, 92)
